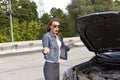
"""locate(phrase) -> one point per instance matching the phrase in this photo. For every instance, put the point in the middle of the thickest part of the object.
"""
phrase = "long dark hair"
(50, 23)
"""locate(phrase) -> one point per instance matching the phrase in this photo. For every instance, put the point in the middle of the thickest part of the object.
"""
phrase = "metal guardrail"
(23, 46)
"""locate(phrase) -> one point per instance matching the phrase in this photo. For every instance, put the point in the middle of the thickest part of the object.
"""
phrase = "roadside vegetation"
(28, 26)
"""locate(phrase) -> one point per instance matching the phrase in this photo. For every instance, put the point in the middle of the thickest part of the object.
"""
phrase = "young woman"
(53, 49)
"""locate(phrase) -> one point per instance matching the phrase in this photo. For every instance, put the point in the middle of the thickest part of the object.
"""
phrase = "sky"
(46, 5)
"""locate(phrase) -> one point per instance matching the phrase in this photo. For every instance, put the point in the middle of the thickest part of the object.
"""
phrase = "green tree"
(79, 8)
(17, 30)
(56, 13)
(45, 18)
(116, 5)
(25, 20)
(102, 5)
(4, 22)
(24, 10)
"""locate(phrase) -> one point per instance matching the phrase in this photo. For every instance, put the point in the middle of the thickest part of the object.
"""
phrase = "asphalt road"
(30, 66)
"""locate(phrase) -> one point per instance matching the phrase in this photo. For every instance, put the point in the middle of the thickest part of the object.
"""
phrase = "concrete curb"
(31, 46)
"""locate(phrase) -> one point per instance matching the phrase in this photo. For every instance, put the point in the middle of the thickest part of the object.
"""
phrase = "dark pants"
(51, 71)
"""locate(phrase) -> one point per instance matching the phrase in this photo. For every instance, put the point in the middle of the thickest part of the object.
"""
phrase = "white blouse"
(59, 44)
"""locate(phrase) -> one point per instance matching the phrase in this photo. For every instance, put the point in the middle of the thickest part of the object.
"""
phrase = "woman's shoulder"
(46, 35)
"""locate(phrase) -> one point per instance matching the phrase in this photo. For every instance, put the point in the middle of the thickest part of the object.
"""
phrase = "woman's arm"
(45, 44)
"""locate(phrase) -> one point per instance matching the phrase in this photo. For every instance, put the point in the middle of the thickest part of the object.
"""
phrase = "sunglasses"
(56, 26)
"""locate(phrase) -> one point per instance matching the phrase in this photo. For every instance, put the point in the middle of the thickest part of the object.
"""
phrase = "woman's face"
(55, 27)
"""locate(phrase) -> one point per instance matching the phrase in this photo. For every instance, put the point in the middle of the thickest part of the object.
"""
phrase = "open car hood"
(100, 32)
